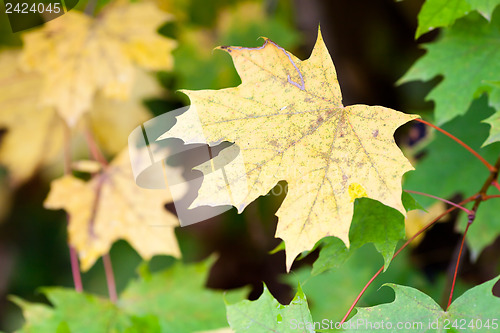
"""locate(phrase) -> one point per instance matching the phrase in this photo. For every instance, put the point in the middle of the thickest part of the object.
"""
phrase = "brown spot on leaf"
(273, 143)
(375, 133)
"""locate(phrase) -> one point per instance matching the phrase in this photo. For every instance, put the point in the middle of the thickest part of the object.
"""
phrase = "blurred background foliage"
(372, 44)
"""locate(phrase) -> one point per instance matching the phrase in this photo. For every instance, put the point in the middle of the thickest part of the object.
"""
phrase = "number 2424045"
(25, 8)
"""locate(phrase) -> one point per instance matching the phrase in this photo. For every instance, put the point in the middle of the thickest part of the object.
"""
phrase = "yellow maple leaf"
(78, 55)
(34, 135)
(288, 120)
(111, 207)
(417, 219)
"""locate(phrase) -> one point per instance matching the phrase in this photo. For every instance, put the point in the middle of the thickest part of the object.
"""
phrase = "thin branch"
(90, 8)
(460, 142)
(110, 277)
(495, 184)
(441, 199)
(488, 197)
(95, 151)
(75, 267)
(399, 251)
(458, 263)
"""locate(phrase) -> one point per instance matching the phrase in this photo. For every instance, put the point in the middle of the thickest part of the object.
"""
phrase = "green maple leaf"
(443, 13)
(72, 312)
(485, 7)
(448, 169)
(494, 120)
(331, 293)
(267, 315)
(467, 56)
(372, 222)
(440, 13)
(178, 298)
(474, 308)
(173, 300)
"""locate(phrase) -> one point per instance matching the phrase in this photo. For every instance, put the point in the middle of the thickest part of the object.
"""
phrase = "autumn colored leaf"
(468, 60)
(34, 135)
(23, 116)
(78, 55)
(111, 207)
(419, 218)
(289, 123)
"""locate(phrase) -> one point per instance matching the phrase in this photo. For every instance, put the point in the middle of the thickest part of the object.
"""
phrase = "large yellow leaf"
(35, 133)
(288, 120)
(79, 55)
(110, 207)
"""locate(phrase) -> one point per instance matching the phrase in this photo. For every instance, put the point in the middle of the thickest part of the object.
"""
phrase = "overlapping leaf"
(178, 298)
(289, 123)
(78, 55)
(494, 120)
(247, 316)
(440, 13)
(173, 300)
(111, 207)
(372, 223)
(467, 56)
(34, 133)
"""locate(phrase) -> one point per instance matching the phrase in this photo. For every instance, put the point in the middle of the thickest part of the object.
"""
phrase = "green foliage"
(467, 56)
(267, 315)
(419, 311)
(343, 283)
(494, 120)
(445, 162)
(372, 222)
(78, 312)
(178, 298)
(440, 13)
(173, 300)
(443, 13)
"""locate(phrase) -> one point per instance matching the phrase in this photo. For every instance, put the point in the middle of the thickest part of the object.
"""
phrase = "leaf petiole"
(468, 211)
